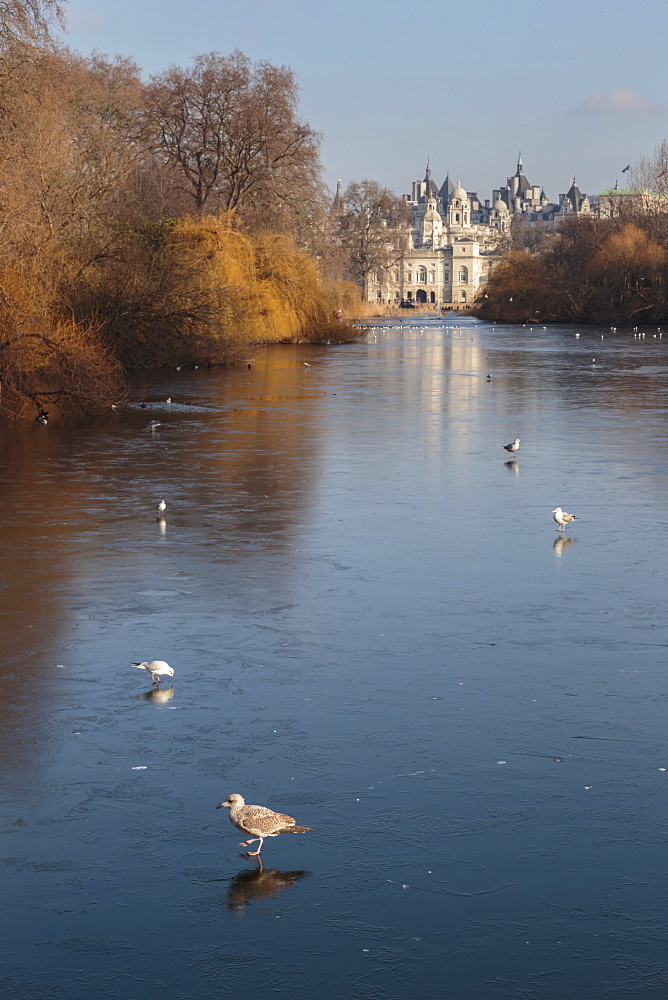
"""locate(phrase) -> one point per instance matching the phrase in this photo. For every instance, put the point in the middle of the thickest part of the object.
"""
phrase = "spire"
(338, 197)
(519, 162)
(427, 175)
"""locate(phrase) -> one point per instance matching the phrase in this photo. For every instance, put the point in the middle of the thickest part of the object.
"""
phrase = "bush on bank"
(200, 291)
(186, 291)
(592, 270)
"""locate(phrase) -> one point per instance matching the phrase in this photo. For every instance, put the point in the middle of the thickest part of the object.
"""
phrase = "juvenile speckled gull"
(513, 446)
(155, 668)
(562, 518)
(259, 821)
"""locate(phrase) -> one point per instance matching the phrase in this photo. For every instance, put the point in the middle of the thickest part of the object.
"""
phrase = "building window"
(464, 275)
(432, 277)
(410, 277)
(463, 296)
(457, 217)
(422, 274)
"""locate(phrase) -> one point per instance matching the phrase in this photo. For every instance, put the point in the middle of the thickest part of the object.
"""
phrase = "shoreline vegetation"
(177, 221)
(183, 220)
(591, 270)
(196, 292)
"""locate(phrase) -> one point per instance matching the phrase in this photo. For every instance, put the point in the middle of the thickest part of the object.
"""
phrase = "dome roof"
(431, 215)
(459, 192)
(500, 205)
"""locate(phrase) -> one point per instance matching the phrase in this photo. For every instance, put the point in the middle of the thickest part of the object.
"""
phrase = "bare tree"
(650, 173)
(372, 230)
(28, 20)
(229, 129)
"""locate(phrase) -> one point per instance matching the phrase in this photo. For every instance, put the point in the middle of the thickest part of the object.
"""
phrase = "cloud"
(623, 101)
(82, 18)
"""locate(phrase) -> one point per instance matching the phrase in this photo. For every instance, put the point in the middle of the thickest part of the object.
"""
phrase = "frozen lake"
(376, 628)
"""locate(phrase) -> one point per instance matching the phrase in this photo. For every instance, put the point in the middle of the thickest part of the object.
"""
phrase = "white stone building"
(449, 248)
(455, 238)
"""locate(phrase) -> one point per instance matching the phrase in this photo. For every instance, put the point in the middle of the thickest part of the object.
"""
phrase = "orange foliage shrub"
(204, 292)
(595, 271)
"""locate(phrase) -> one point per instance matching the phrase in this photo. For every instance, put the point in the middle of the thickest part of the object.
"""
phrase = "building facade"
(454, 238)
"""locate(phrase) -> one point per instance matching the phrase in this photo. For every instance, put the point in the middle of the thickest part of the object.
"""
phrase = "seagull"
(155, 668)
(42, 417)
(154, 424)
(513, 446)
(161, 508)
(562, 518)
(258, 820)
(306, 364)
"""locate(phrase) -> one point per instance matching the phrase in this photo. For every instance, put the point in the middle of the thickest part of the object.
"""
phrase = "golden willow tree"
(113, 252)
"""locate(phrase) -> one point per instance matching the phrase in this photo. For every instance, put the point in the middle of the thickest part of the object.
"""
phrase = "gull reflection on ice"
(158, 695)
(513, 467)
(562, 543)
(252, 885)
(162, 524)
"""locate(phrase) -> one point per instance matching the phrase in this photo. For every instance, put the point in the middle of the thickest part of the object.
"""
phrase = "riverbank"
(189, 292)
(597, 271)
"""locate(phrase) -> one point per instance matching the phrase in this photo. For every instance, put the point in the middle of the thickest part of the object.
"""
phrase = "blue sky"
(580, 90)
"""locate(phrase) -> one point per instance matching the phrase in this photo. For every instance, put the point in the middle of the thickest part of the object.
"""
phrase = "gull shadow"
(253, 885)
(158, 695)
(513, 466)
(561, 543)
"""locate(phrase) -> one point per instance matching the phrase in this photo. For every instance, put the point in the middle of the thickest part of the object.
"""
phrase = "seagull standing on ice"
(258, 820)
(155, 668)
(562, 518)
(161, 508)
(513, 446)
(154, 424)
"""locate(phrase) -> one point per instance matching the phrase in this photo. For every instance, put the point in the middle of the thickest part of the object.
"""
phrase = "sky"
(581, 91)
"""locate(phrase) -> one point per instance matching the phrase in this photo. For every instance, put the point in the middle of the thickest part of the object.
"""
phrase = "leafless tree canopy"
(650, 173)
(100, 256)
(230, 132)
(372, 230)
(28, 20)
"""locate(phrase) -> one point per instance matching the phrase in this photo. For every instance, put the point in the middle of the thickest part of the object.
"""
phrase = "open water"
(376, 628)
